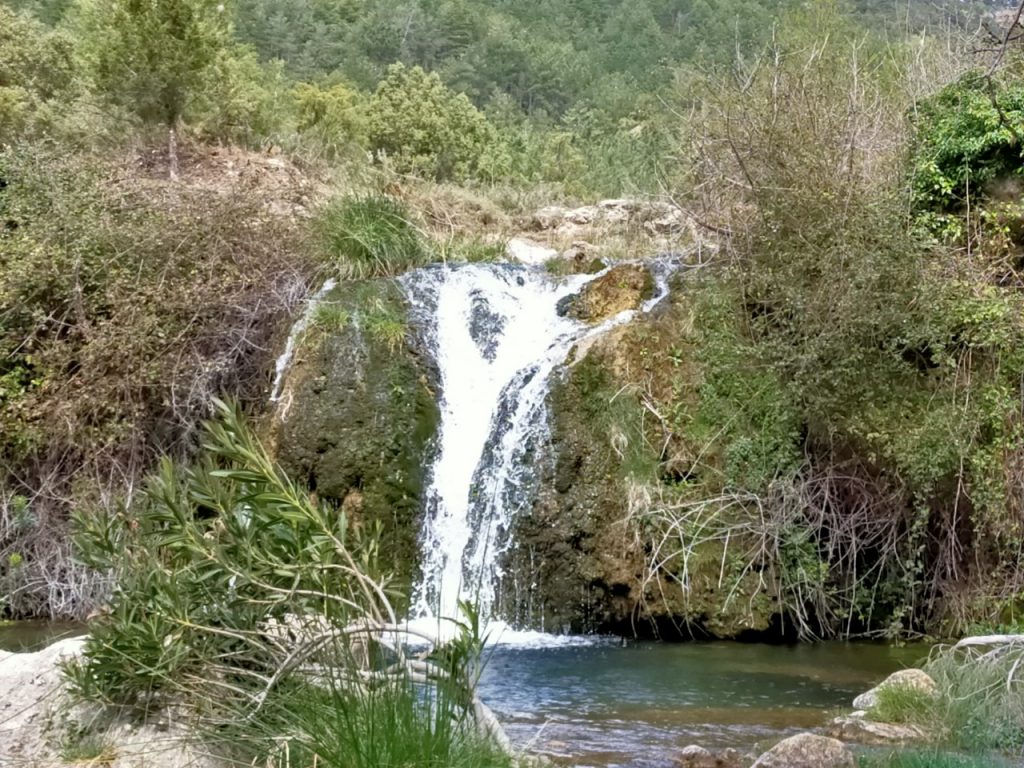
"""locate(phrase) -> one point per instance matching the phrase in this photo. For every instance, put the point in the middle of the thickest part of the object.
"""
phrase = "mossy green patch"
(360, 415)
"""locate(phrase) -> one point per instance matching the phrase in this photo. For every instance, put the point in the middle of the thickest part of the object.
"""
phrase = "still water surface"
(604, 705)
(600, 704)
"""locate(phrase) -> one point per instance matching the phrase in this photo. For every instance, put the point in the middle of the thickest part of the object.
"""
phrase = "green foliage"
(369, 237)
(423, 127)
(927, 758)
(903, 704)
(213, 552)
(229, 580)
(152, 57)
(333, 116)
(36, 73)
(967, 136)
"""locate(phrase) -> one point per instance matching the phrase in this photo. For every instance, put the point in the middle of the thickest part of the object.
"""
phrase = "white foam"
(496, 336)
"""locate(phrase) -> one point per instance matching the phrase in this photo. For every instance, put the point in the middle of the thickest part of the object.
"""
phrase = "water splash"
(285, 359)
(496, 336)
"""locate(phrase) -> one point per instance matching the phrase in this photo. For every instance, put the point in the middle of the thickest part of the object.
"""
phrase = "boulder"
(548, 217)
(807, 750)
(905, 678)
(39, 721)
(695, 756)
(621, 288)
(862, 731)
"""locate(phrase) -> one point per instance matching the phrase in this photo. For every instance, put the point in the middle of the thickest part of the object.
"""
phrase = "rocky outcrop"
(358, 413)
(654, 217)
(579, 562)
(807, 750)
(40, 726)
(621, 288)
(912, 679)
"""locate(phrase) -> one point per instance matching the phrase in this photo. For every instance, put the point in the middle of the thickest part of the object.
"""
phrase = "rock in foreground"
(807, 750)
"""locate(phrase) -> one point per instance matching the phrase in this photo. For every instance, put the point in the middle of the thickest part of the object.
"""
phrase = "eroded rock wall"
(358, 415)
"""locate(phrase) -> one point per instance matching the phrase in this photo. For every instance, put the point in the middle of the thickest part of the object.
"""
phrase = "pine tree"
(152, 56)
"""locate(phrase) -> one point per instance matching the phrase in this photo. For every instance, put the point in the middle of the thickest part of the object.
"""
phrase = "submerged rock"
(695, 756)
(807, 750)
(912, 679)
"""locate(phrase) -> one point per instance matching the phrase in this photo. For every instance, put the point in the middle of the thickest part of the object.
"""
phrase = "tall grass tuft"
(981, 701)
(369, 237)
(928, 758)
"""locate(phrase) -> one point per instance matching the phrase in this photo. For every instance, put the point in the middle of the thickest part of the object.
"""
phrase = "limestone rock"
(906, 678)
(621, 288)
(807, 750)
(357, 413)
(528, 252)
(695, 756)
(37, 717)
(548, 217)
(861, 731)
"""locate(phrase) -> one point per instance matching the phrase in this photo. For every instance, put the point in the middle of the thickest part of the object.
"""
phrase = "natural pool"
(598, 703)
(606, 705)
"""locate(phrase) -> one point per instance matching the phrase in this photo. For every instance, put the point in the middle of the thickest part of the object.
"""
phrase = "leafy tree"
(425, 127)
(35, 68)
(152, 56)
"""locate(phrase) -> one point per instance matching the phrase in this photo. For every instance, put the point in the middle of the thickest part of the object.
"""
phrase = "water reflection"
(636, 706)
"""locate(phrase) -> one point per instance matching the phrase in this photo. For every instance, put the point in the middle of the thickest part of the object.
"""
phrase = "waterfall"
(496, 336)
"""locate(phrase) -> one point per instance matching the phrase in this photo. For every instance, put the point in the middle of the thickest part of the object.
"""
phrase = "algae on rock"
(358, 415)
(582, 560)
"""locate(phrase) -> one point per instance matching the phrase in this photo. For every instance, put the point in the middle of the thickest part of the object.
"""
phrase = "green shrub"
(369, 237)
(421, 126)
(928, 758)
(257, 608)
(967, 135)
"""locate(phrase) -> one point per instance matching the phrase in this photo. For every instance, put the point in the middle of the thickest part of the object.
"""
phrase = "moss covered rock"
(581, 560)
(358, 415)
(623, 287)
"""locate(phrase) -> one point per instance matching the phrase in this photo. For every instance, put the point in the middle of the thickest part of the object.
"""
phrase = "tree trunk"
(172, 153)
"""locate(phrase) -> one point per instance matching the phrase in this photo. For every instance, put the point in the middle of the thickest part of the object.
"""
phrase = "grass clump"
(903, 704)
(928, 758)
(87, 748)
(369, 237)
(981, 696)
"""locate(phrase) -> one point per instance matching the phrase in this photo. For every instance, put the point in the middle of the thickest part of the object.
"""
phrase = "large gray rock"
(914, 679)
(807, 750)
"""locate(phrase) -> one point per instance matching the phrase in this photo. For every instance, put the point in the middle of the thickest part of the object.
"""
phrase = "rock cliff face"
(358, 414)
(581, 562)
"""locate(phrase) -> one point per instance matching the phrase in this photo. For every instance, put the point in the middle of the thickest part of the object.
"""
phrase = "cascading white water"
(496, 335)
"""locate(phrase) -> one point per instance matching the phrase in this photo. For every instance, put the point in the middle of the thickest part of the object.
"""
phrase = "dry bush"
(127, 305)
